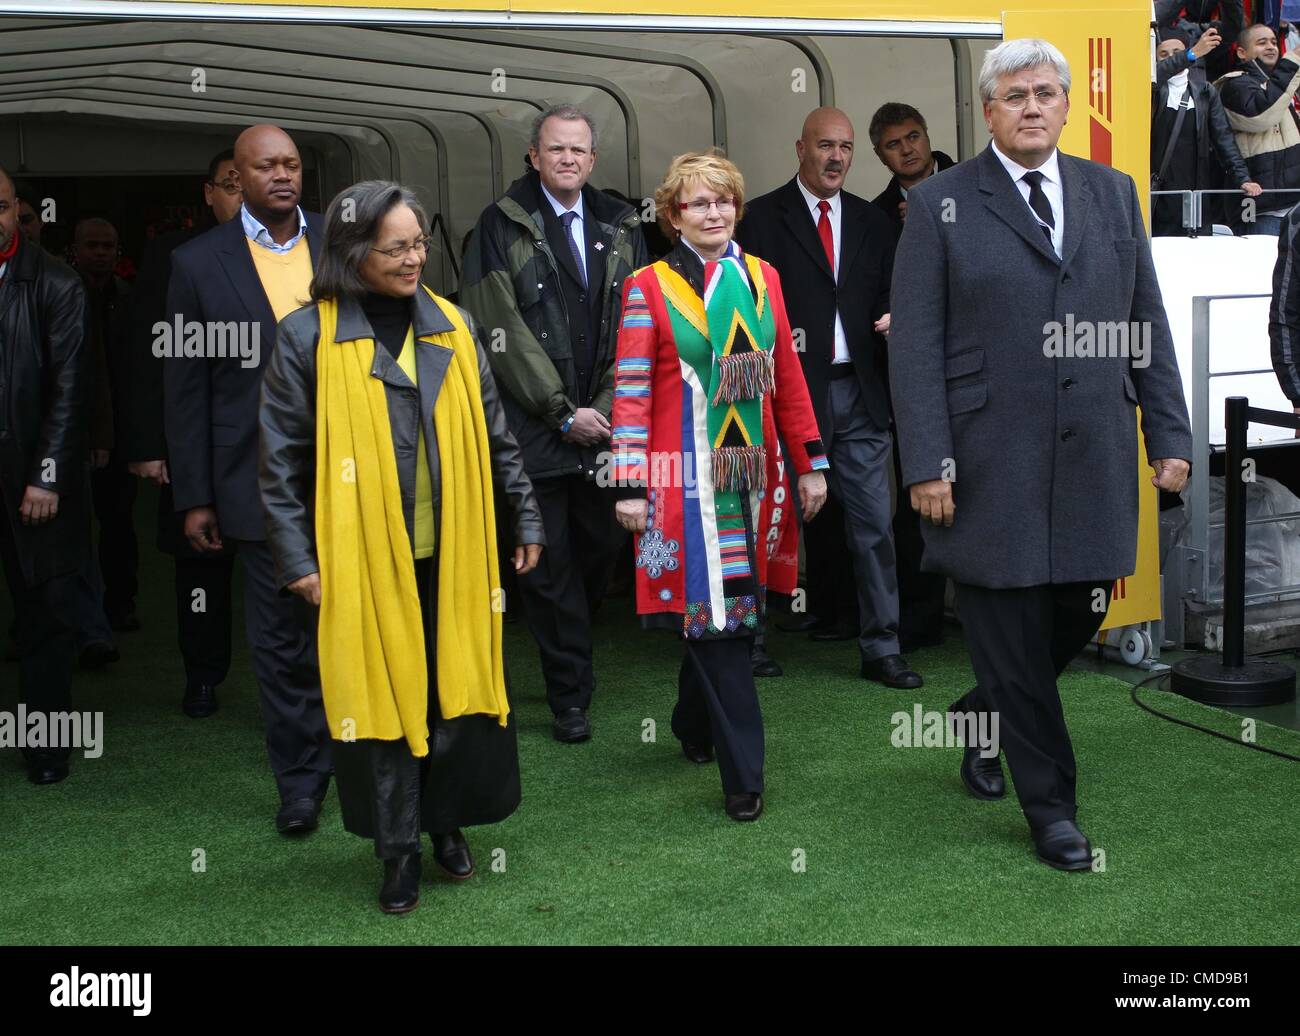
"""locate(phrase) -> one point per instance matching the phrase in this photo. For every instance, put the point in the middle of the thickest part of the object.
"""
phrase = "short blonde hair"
(711, 168)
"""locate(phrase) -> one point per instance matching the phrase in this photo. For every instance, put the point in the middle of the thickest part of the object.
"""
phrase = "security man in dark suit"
(1027, 326)
(834, 252)
(901, 139)
(229, 287)
(202, 581)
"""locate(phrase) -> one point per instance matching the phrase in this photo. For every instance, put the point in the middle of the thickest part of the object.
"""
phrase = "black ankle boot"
(452, 854)
(401, 889)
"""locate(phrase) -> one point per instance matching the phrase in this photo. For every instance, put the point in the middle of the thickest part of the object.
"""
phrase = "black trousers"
(204, 616)
(45, 633)
(113, 490)
(1020, 640)
(717, 704)
(920, 594)
(832, 593)
(88, 605)
(562, 593)
(281, 631)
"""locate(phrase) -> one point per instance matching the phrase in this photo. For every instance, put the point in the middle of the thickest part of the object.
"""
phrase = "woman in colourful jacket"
(706, 380)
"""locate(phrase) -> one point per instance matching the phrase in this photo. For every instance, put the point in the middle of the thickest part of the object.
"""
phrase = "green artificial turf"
(621, 840)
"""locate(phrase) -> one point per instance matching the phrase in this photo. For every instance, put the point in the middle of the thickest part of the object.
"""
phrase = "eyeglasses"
(700, 207)
(229, 186)
(422, 245)
(1017, 102)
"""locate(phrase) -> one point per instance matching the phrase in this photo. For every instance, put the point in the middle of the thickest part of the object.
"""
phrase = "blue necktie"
(568, 219)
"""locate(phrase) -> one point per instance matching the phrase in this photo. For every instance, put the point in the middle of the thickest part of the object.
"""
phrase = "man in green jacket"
(544, 278)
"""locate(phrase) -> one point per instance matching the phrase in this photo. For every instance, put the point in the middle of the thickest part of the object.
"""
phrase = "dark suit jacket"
(779, 227)
(888, 199)
(1041, 447)
(211, 405)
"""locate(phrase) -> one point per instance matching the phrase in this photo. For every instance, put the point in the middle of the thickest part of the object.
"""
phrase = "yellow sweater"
(285, 276)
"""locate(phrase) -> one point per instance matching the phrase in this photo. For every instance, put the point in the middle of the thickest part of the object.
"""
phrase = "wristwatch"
(567, 424)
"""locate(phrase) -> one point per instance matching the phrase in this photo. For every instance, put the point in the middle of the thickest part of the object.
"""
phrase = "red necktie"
(824, 232)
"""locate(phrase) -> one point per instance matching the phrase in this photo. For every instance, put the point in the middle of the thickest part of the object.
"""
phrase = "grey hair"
(348, 240)
(568, 112)
(1012, 56)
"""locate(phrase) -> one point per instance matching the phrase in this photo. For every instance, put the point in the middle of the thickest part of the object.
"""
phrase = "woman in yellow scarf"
(382, 438)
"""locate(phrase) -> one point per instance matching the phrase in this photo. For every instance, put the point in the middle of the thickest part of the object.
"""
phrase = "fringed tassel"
(744, 376)
(738, 469)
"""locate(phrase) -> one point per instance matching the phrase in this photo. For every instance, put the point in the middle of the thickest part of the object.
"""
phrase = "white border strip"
(204, 11)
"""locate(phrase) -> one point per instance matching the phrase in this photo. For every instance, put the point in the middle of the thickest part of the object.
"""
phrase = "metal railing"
(1186, 574)
(1194, 208)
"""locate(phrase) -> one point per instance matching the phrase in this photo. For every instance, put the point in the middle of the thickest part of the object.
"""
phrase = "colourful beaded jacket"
(695, 425)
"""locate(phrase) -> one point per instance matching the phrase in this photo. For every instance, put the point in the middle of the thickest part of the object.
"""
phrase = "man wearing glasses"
(1019, 447)
(203, 633)
(234, 284)
(544, 277)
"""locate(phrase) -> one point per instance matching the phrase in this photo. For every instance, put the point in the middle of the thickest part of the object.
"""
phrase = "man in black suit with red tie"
(834, 252)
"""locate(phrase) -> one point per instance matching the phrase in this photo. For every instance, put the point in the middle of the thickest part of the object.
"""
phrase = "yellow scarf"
(371, 635)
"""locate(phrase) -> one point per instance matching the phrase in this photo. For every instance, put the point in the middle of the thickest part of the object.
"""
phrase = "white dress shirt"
(1051, 170)
(833, 214)
(575, 228)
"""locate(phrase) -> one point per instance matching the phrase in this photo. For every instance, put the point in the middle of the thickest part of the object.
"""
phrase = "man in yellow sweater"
(228, 290)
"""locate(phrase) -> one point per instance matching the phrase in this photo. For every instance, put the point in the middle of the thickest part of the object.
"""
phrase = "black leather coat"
(287, 452)
(45, 386)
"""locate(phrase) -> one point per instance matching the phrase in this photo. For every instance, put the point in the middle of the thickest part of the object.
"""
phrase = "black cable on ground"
(1196, 726)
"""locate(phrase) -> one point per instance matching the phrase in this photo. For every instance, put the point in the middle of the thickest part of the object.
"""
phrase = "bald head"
(8, 211)
(825, 151)
(270, 173)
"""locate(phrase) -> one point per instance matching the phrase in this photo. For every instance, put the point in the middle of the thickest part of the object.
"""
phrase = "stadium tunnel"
(138, 107)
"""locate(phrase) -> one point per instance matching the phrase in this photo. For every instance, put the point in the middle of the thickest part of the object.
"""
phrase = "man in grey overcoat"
(1027, 327)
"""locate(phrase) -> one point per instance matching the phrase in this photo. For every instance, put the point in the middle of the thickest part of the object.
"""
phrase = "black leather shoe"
(298, 817)
(892, 671)
(46, 770)
(199, 701)
(571, 725)
(97, 654)
(748, 806)
(452, 854)
(697, 753)
(401, 889)
(1063, 846)
(836, 631)
(763, 664)
(800, 624)
(982, 777)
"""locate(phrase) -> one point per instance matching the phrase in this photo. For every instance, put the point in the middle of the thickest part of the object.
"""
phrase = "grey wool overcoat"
(1012, 377)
